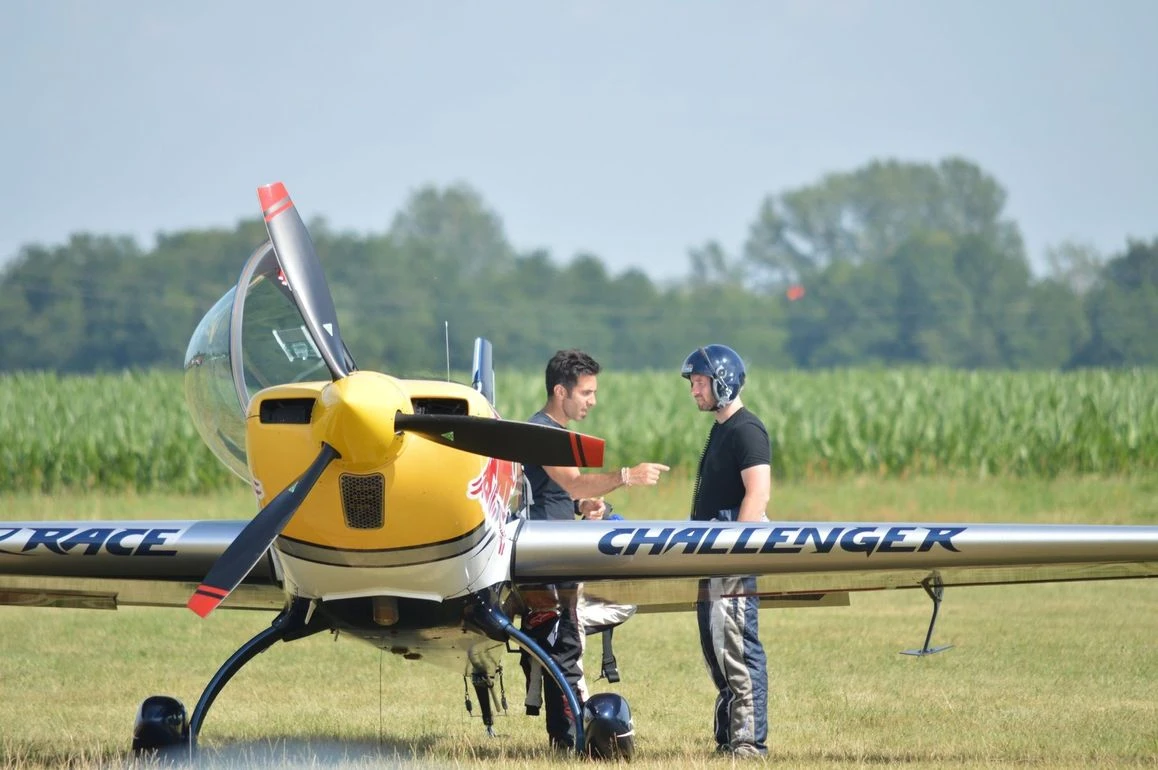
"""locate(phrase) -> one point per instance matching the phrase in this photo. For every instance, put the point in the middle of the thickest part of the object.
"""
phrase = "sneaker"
(746, 751)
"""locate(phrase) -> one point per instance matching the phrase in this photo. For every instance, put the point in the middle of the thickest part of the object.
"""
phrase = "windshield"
(213, 403)
(243, 345)
(276, 346)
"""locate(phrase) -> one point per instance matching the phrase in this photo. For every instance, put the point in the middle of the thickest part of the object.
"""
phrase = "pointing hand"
(646, 474)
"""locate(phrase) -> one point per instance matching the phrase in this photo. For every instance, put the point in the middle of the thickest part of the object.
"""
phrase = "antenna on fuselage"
(446, 327)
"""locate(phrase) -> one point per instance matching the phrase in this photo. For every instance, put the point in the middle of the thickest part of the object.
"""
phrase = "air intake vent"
(293, 411)
(363, 500)
(435, 405)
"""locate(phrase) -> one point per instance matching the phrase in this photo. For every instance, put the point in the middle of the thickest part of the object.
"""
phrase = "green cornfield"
(119, 432)
(131, 431)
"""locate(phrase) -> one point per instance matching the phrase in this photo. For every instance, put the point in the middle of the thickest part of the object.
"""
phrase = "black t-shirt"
(548, 499)
(734, 445)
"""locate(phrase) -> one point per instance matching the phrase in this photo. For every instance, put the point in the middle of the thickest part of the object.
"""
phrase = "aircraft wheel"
(161, 725)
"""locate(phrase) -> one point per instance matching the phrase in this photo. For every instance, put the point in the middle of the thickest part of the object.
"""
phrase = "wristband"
(625, 476)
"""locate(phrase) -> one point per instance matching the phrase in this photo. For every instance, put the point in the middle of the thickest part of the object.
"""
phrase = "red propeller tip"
(274, 199)
(588, 450)
(205, 599)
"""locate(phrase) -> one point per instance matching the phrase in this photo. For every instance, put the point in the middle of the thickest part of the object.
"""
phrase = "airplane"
(394, 511)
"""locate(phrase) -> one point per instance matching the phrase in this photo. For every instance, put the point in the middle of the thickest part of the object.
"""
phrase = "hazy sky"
(633, 130)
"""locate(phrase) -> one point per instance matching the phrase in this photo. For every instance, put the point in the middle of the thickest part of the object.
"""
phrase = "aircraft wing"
(656, 565)
(106, 564)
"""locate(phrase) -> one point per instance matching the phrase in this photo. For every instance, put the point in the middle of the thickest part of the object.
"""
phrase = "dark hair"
(566, 367)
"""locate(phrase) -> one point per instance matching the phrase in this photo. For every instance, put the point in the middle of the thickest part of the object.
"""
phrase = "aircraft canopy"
(252, 338)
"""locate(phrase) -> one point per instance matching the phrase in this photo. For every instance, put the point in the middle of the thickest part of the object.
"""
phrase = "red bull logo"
(493, 489)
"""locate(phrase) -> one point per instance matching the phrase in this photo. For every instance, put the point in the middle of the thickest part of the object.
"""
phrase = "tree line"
(894, 263)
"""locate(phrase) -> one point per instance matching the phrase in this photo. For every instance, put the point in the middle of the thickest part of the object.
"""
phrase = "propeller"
(303, 272)
(502, 439)
(521, 442)
(238, 559)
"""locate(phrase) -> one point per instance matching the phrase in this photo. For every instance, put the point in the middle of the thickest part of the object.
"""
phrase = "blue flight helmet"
(720, 364)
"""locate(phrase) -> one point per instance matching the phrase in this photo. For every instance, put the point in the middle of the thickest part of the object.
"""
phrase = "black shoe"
(562, 745)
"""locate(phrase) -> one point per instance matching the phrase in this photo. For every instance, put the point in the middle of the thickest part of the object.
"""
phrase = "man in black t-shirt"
(734, 483)
(562, 494)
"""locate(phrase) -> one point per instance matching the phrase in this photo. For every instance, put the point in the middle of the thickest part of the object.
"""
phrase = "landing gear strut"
(491, 621)
(157, 725)
(603, 727)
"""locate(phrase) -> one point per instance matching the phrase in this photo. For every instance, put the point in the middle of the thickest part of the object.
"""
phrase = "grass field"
(1040, 676)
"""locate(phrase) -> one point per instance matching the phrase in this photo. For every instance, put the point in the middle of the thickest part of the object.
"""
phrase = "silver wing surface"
(106, 564)
(657, 565)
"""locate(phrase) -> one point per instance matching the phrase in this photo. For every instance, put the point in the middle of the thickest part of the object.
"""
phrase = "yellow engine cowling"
(387, 490)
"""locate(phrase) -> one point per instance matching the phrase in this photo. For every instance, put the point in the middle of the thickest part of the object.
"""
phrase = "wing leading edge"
(106, 564)
(657, 564)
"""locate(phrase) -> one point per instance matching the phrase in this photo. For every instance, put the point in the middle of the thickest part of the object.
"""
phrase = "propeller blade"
(238, 559)
(520, 442)
(303, 272)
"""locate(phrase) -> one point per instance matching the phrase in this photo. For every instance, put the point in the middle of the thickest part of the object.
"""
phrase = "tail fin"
(482, 376)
